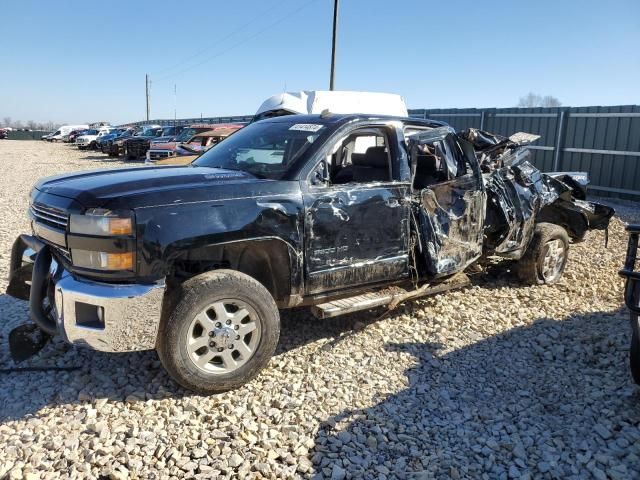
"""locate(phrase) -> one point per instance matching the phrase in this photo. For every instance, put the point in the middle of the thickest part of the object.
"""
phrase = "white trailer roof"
(315, 101)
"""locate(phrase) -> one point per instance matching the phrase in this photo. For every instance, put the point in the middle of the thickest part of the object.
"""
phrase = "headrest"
(374, 157)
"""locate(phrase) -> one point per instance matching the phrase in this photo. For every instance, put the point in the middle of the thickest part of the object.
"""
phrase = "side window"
(362, 157)
(440, 161)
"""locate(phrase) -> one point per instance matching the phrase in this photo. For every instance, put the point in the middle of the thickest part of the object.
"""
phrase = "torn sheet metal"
(519, 195)
(451, 227)
(459, 221)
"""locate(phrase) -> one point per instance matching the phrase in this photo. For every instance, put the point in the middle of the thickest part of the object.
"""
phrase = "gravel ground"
(494, 381)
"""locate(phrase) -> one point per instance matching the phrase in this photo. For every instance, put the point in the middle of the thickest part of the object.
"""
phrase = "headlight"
(98, 221)
(102, 260)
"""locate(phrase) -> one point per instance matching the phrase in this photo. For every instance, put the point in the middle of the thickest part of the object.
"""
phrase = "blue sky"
(77, 61)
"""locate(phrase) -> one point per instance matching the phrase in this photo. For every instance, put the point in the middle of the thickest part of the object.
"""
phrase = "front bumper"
(102, 316)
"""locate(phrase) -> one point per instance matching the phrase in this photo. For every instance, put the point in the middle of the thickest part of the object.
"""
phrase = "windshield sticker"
(306, 127)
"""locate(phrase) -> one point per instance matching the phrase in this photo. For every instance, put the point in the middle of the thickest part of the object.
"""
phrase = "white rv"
(316, 101)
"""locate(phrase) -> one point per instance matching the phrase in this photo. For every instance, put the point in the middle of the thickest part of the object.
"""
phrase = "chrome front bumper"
(102, 316)
(127, 316)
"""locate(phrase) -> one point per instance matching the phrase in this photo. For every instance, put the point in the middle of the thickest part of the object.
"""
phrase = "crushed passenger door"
(451, 200)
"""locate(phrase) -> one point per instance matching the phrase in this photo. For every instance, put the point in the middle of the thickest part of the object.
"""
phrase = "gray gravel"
(496, 381)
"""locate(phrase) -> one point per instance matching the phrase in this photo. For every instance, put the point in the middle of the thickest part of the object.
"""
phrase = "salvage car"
(114, 147)
(160, 149)
(186, 152)
(102, 142)
(87, 140)
(136, 147)
(337, 212)
(631, 271)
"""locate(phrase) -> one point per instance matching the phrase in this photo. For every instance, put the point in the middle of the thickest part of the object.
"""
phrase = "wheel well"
(572, 221)
(267, 261)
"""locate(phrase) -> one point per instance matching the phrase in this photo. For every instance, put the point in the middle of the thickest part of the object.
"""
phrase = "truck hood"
(137, 187)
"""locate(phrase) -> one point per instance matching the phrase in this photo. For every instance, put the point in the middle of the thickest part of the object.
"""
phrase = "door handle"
(329, 201)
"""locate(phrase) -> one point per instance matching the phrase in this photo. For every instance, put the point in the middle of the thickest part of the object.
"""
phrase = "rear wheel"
(546, 258)
(222, 332)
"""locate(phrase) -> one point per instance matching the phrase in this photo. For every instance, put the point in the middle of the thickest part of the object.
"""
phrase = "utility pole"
(333, 45)
(146, 86)
(175, 104)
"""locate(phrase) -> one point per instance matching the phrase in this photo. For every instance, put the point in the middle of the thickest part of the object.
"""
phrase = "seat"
(371, 166)
(427, 172)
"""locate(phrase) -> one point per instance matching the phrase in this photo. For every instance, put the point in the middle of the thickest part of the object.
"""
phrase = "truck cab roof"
(336, 119)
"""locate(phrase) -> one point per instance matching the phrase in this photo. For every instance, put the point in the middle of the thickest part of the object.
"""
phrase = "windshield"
(166, 131)
(148, 132)
(186, 134)
(266, 149)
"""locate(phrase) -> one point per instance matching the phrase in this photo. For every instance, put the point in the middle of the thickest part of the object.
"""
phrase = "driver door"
(356, 222)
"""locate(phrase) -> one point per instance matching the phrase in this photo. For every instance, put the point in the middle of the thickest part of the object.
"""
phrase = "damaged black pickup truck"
(336, 212)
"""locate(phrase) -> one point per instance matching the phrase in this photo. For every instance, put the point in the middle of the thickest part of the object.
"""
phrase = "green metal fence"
(31, 135)
(604, 141)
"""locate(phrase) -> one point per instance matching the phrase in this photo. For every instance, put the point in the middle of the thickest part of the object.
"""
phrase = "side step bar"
(390, 298)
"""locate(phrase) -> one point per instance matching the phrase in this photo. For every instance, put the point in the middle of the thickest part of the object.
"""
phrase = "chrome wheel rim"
(223, 336)
(553, 260)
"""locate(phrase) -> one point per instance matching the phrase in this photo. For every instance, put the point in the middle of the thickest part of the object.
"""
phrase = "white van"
(64, 132)
(316, 101)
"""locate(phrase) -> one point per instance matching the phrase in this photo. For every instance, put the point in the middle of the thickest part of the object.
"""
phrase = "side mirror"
(320, 175)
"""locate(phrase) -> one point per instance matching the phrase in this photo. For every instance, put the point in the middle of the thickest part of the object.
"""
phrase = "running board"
(390, 298)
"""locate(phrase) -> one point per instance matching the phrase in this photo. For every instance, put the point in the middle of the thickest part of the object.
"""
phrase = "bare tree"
(31, 125)
(535, 100)
(6, 122)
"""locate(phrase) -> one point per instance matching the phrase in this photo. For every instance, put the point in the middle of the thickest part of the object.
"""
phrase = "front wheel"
(221, 333)
(546, 257)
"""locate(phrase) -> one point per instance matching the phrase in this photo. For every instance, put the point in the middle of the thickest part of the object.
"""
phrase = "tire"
(113, 155)
(546, 257)
(192, 318)
(634, 356)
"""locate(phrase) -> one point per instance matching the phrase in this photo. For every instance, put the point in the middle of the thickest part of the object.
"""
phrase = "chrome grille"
(53, 217)
(159, 154)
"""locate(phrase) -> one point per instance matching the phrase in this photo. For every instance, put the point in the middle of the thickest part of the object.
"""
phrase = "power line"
(229, 35)
(241, 42)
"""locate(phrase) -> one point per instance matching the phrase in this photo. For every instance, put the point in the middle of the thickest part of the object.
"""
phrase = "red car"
(160, 150)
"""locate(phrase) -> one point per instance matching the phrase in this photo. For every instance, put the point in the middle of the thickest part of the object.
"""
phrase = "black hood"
(149, 186)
